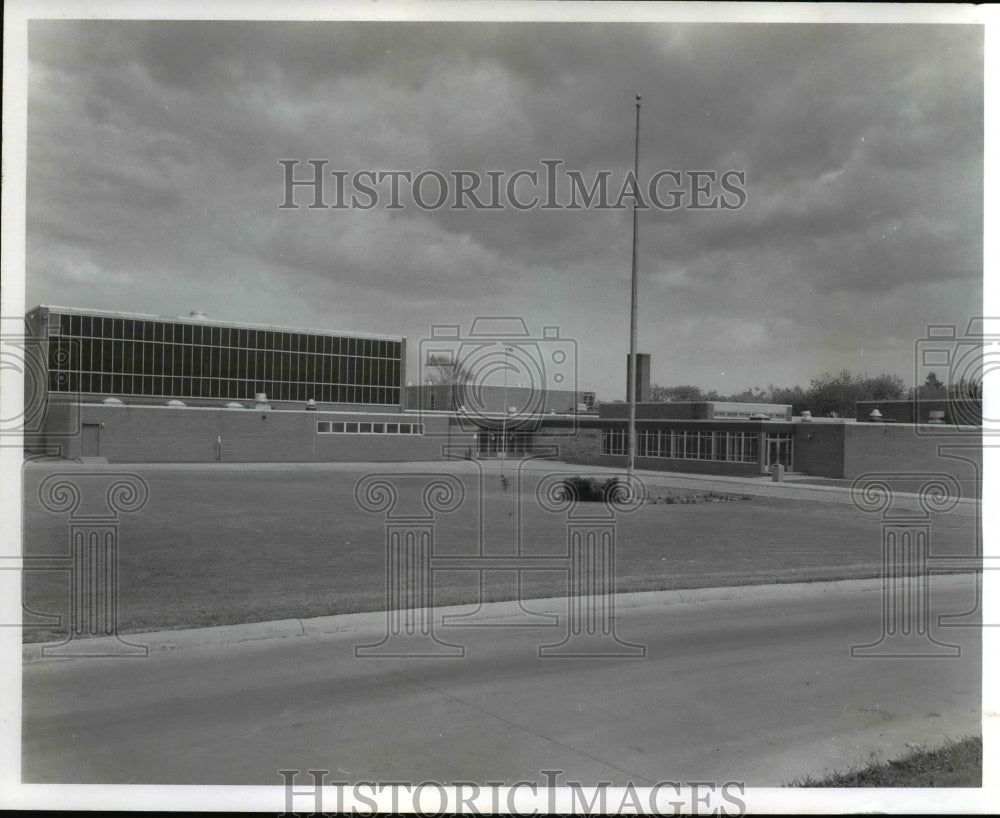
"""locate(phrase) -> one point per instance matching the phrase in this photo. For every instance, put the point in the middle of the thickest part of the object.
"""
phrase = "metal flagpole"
(503, 428)
(633, 365)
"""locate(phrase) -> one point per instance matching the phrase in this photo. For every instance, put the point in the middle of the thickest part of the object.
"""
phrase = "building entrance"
(777, 450)
(494, 443)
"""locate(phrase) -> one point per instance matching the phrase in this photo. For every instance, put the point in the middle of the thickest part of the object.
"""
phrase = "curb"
(374, 621)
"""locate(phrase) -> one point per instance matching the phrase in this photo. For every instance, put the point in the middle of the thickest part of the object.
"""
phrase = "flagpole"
(633, 364)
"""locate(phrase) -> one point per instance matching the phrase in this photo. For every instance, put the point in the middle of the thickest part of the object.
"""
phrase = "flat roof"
(204, 319)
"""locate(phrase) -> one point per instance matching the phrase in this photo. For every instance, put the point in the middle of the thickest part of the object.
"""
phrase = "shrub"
(591, 490)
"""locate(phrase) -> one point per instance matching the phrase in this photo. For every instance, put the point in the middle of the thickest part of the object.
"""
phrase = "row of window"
(336, 427)
(135, 329)
(222, 388)
(128, 358)
(746, 415)
(731, 447)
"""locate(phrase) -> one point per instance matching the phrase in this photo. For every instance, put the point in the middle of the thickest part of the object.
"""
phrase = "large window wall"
(725, 446)
(126, 356)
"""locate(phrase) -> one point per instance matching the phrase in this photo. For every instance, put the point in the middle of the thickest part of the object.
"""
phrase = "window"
(167, 359)
(614, 441)
(721, 446)
(323, 427)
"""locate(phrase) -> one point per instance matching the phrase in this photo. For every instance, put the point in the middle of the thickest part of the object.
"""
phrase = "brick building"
(143, 388)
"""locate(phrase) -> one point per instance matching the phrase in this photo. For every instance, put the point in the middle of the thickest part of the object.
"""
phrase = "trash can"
(777, 473)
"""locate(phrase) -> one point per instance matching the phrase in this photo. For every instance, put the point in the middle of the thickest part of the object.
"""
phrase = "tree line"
(829, 394)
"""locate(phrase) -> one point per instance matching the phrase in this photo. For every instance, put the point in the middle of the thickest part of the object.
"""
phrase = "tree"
(794, 395)
(662, 394)
(441, 370)
(838, 395)
(967, 389)
(932, 388)
(883, 387)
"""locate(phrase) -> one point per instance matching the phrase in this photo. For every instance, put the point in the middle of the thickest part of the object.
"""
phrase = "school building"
(134, 388)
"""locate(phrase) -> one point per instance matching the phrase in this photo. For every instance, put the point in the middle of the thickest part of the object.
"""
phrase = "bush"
(591, 490)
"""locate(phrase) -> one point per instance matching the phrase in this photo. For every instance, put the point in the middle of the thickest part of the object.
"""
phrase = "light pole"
(632, 364)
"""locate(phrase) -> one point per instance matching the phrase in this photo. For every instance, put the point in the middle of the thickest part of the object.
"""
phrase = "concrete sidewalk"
(375, 622)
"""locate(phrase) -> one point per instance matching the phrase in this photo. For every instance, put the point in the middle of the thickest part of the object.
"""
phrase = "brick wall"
(881, 447)
(819, 449)
(184, 434)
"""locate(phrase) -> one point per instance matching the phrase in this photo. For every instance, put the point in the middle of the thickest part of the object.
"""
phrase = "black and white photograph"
(526, 407)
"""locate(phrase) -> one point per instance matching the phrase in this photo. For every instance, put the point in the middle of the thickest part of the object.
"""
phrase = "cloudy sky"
(154, 183)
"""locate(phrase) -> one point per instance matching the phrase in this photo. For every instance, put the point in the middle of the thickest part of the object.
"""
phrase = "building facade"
(141, 388)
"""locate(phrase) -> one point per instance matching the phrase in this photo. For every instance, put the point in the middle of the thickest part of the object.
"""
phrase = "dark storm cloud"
(154, 182)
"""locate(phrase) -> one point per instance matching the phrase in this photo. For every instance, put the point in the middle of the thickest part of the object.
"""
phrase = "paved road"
(760, 688)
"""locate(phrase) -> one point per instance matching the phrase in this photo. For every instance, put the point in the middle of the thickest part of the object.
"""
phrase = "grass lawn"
(216, 547)
(956, 764)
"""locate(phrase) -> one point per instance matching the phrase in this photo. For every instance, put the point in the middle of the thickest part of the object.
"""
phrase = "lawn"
(218, 547)
(956, 764)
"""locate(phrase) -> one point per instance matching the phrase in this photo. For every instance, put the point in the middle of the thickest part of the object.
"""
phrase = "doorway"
(91, 440)
(777, 450)
(492, 443)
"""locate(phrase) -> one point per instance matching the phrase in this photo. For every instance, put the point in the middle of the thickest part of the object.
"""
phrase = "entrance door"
(91, 441)
(777, 450)
(497, 444)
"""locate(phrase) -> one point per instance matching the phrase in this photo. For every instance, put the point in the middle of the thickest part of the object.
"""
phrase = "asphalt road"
(760, 688)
